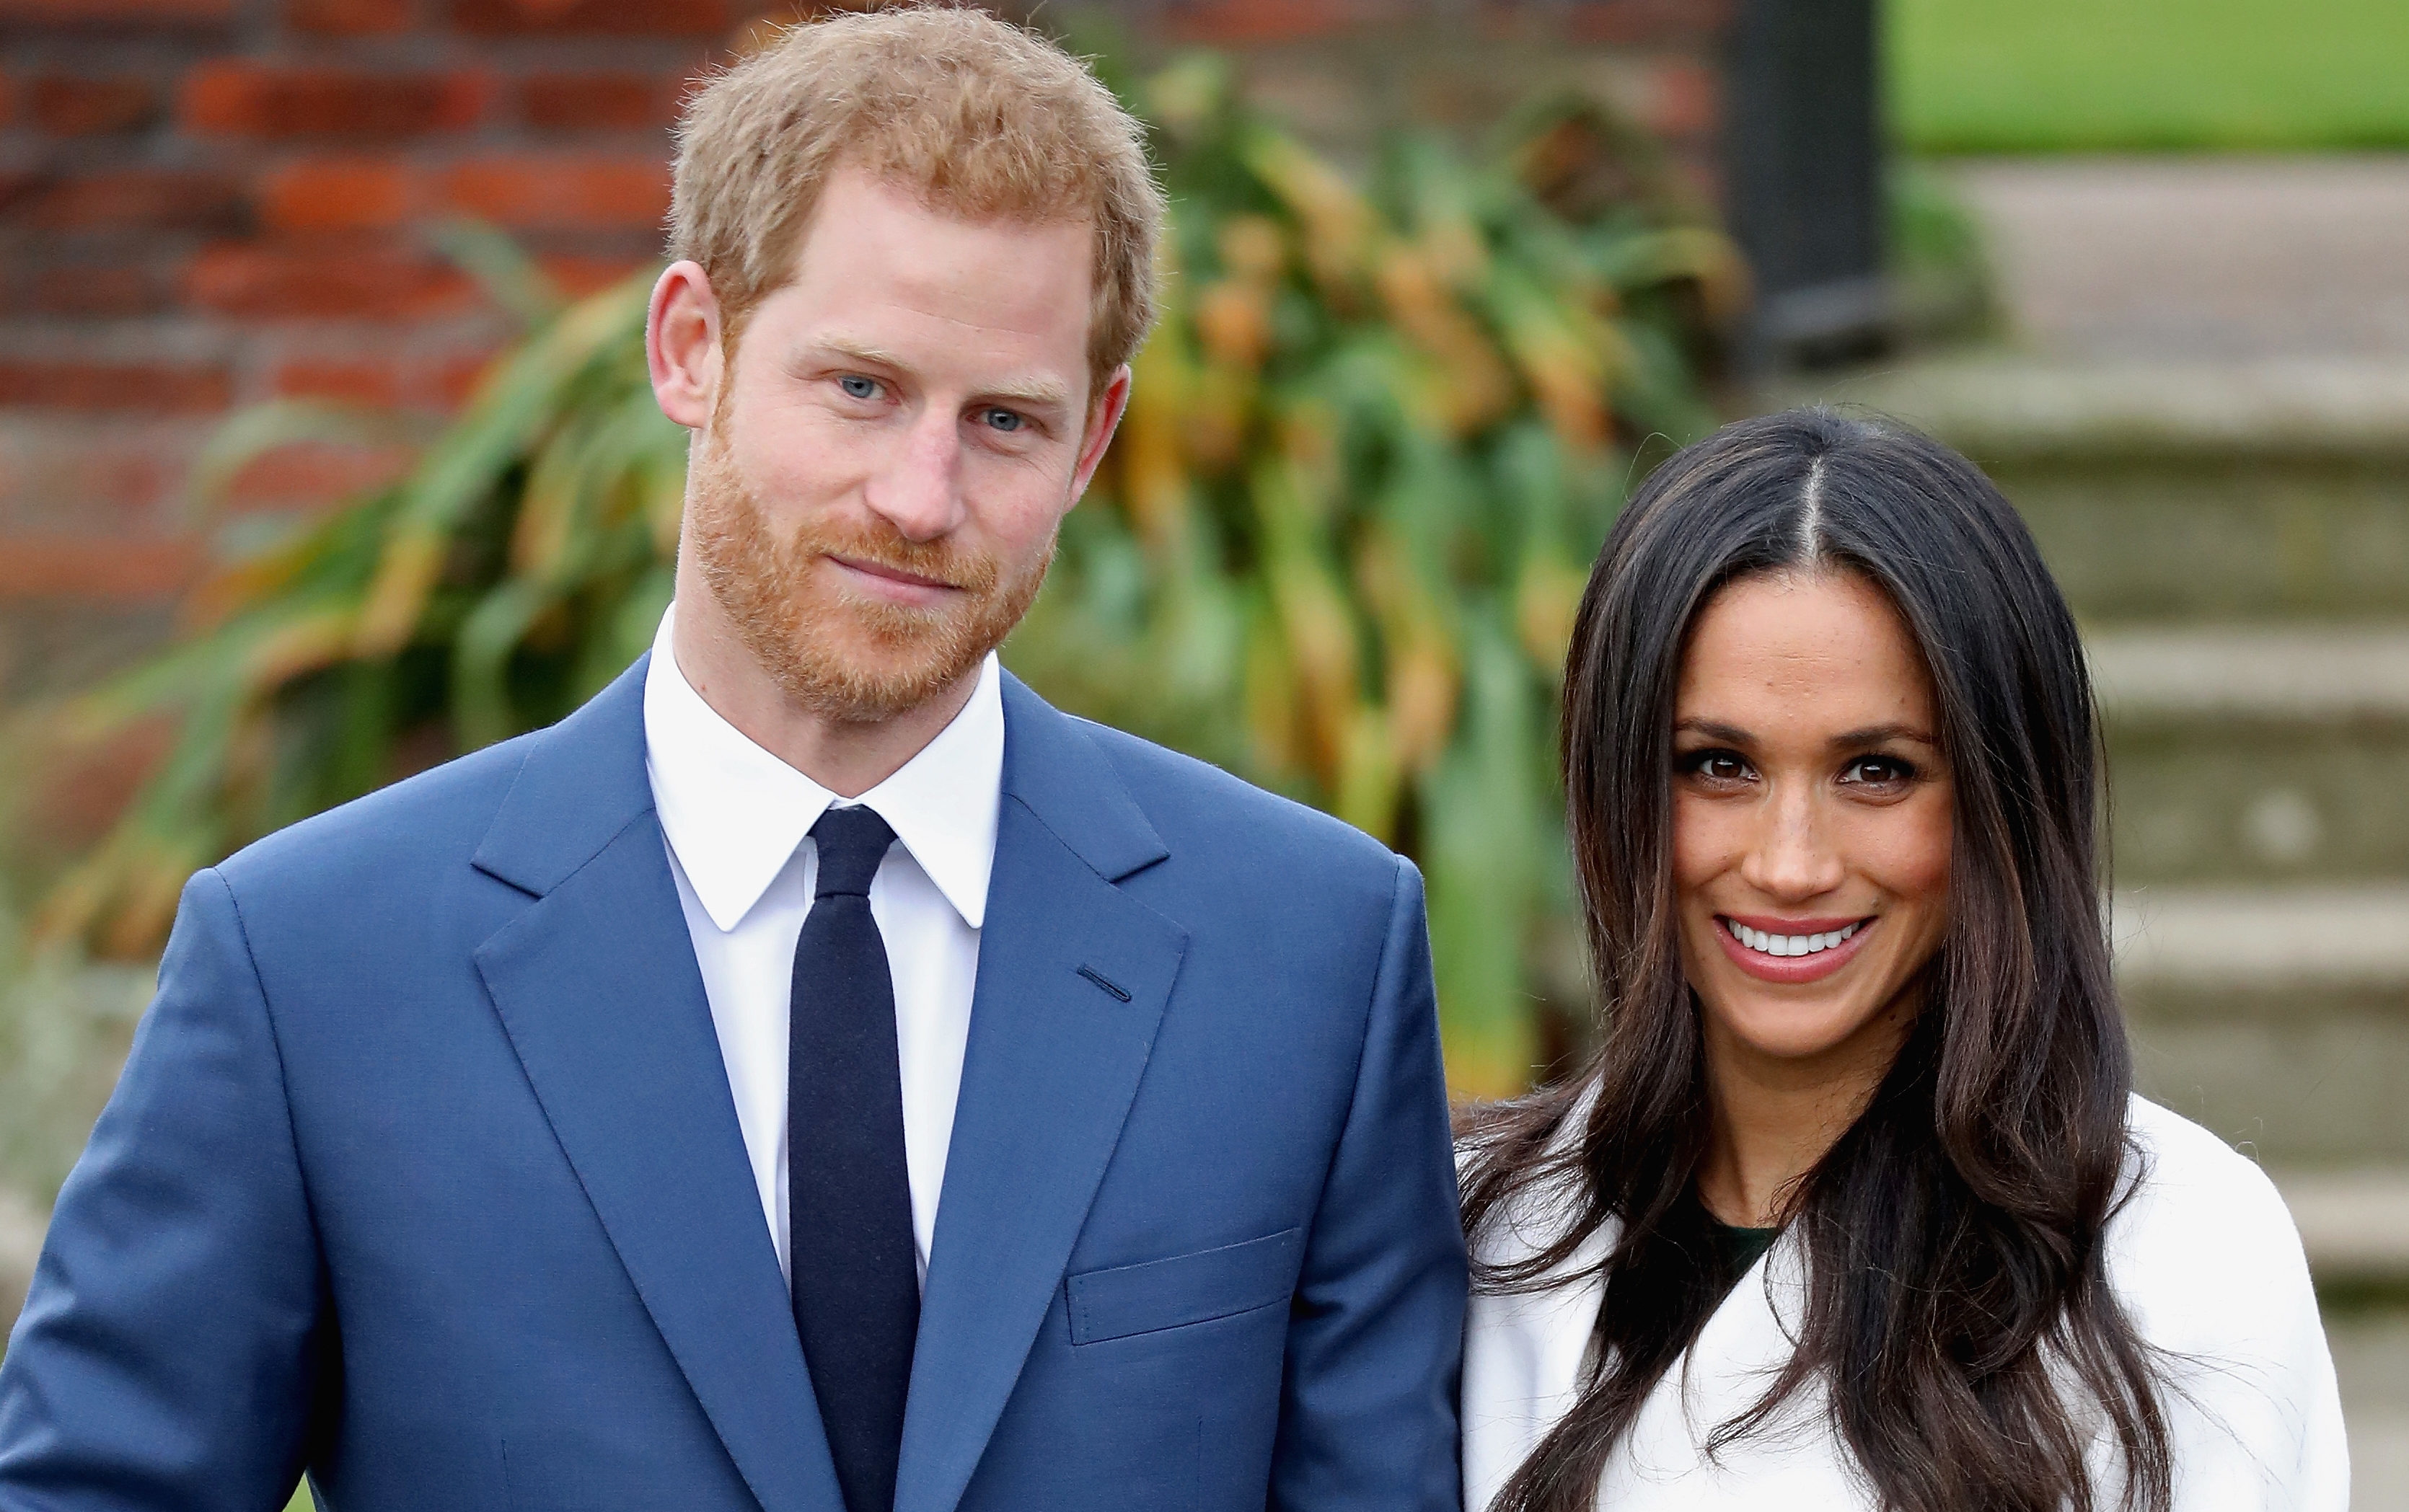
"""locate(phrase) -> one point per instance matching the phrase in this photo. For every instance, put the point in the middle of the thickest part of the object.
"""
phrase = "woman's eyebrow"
(1876, 734)
(1714, 731)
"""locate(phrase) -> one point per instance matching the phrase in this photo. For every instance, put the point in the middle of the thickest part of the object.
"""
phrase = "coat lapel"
(596, 986)
(1073, 977)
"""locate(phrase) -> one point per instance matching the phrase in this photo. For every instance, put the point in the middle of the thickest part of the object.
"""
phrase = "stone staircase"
(2235, 540)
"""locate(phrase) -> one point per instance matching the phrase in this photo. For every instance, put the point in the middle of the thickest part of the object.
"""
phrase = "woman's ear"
(682, 345)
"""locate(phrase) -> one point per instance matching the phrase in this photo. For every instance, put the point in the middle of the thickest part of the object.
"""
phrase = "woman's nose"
(1791, 858)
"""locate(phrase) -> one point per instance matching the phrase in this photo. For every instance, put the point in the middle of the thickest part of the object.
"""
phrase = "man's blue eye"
(857, 386)
(1004, 420)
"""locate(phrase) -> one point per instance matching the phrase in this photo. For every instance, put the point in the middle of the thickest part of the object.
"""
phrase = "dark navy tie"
(856, 1285)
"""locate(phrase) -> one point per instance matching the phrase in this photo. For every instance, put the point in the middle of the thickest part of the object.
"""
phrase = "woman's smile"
(1792, 951)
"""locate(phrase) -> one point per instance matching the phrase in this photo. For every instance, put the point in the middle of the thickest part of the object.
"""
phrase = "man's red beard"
(836, 654)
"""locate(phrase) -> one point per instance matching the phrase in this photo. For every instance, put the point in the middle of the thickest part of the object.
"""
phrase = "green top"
(1737, 1249)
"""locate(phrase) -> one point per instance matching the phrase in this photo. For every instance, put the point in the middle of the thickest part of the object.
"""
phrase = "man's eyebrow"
(1037, 393)
(1034, 391)
(860, 352)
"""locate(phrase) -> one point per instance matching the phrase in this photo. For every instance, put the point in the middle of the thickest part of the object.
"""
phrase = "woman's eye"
(856, 386)
(1878, 772)
(1718, 766)
(1003, 419)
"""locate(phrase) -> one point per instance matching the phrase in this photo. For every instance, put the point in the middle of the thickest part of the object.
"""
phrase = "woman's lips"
(1766, 967)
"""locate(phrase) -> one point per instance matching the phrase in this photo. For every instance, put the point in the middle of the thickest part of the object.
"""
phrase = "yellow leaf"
(1154, 474)
(1547, 598)
(1253, 247)
(1270, 700)
(413, 559)
(1370, 778)
(1234, 322)
(305, 645)
(1338, 223)
(547, 510)
(1422, 687)
(1471, 387)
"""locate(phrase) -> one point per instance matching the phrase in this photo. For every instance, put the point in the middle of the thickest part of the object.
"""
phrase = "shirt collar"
(734, 814)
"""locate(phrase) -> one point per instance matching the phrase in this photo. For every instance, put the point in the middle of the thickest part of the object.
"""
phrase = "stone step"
(2324, 1089)
(2276, 1016)
(2114, 255)
(2208, 538)
(2333, 938)
(2263, 753)
(2353, 1222)
(2004, 404)
(2257, 804)
(2169, 492)
(2264, 673)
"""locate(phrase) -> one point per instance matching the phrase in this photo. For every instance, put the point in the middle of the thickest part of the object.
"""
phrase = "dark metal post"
(1802, 161)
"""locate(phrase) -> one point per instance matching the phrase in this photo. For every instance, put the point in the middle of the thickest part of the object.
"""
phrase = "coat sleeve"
(2208, 1263)
(168, 1349)
(1369, 1414)
(2253, 1408)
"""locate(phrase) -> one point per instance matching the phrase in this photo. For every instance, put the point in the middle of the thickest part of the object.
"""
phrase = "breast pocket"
(1185, 1289)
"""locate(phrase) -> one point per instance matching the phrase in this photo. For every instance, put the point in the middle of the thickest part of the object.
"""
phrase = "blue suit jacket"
(424, 1172)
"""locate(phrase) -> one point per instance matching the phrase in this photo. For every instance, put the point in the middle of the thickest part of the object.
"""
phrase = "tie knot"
(852, 842)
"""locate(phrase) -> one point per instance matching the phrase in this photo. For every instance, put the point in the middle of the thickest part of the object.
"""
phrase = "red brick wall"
(204, 203)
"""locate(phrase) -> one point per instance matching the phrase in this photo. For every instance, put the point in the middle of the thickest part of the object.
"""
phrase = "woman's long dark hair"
(1956, 1285)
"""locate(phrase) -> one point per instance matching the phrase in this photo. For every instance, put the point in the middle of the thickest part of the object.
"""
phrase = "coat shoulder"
(2181, 1176)
(1196, 805)
(395, 836)
(2203, 1250)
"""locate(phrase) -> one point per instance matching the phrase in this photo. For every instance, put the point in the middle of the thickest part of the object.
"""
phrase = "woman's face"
(1811, 824)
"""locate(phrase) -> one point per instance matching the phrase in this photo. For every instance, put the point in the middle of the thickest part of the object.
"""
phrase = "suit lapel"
(596, 986)
(1073, 978)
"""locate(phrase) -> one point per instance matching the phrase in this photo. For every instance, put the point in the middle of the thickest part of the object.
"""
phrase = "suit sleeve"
(165, 1357)
(1368, 1408)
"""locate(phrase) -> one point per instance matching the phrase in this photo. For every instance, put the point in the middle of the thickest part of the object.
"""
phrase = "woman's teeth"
(1787, 945)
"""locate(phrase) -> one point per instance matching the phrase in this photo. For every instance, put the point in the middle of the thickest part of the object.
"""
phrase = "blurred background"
(325, 454)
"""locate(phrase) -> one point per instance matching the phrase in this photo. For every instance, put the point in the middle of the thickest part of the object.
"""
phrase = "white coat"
(2204, 1258)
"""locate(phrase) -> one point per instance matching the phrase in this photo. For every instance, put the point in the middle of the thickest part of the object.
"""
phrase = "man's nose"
(1791, 858)
(918, 488)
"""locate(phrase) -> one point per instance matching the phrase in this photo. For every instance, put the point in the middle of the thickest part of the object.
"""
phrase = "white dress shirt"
(738, 822)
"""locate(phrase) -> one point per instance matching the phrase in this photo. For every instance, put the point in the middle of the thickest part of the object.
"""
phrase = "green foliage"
(65, 1024)
(1980, 76)
(1336, 546)
(1940, 268)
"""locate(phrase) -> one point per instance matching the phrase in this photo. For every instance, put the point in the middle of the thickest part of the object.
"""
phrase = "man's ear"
(1103, 417)
(682, 345)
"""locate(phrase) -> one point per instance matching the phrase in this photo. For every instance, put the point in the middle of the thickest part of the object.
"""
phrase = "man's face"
(893, 448)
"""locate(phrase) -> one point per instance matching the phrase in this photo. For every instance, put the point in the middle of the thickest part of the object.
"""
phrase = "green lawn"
(2019, 76)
